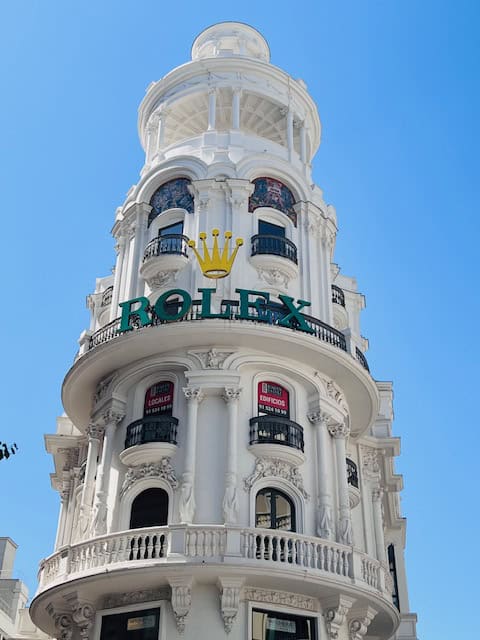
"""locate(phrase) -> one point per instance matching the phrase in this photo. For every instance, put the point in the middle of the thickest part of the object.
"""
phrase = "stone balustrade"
(214, 543)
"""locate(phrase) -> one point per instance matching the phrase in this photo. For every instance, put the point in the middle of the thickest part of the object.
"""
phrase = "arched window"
(274, 510)
(270, 192)
(149, 509)
(174, 194)
(159, 399)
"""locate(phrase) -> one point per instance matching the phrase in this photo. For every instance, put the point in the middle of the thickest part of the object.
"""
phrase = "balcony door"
(149, 509)
(274, 510)
(268, 229)
(171, 238)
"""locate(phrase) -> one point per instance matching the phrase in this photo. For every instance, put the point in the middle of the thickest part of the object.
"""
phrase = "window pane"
(283, 514)
(133, 625)
(272, 625)
(177, 227)
(269, 229)
(274, 510)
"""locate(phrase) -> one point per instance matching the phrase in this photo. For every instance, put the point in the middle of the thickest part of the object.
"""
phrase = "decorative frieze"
(162, 470)
(283, 598)
(276, 468)
(135, 597)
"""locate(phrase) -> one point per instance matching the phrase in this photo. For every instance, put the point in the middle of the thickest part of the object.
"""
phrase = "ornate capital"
(181, 600)
(95, 432)
(230, 589)
(338, 429)
(370, 463)
(359, 622)
(335, 615)
(193, 394)
(231, 394)
(319, 417)
(113, 415)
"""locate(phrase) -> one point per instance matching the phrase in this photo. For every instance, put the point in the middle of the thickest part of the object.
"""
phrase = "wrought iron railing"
(362, 359)
(167, 244)
(276, 430)
(338, 297)
(352, 473)
(156, 428)
(274, 245)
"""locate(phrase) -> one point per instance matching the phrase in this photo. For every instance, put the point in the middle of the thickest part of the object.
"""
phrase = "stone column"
(95, 434)
(151, 129)
(325, 527)
(303, 143)
(160, 141)
(212, 108)
(124, 276)
(187, 489)
(290, 133)
(237, 92)
(230, 501)
(339, 431)
(120, 248)
(139, 226)
(64, 497)
(111, 419)
(377, 496)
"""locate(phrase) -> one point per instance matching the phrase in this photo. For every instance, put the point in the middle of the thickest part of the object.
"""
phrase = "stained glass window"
(173, 194)
(273, 193)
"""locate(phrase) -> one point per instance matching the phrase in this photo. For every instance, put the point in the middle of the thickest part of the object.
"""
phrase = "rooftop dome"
(228, 39)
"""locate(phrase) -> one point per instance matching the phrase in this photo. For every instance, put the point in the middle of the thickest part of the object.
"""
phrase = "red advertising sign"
(273, 399)
(159, 399)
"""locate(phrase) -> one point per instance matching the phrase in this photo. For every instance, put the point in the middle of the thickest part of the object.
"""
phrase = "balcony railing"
(274, 245)
(152, 429)
(352, 473)
(338, 297)
(321, 330)
(362, 359)
(310, 556)
(167, 244)
(276, 430)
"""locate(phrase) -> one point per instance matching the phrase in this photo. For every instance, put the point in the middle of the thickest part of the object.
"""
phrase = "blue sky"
(396, 84)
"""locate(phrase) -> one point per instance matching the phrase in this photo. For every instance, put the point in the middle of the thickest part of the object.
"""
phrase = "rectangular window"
(273, 625)
(177, 227)
(269, 229)
(131, 625)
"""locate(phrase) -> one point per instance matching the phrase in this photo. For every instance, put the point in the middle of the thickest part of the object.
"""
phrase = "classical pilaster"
(290, 133)
(377, 497)
(150, 144)
(325, 526)
(303, 143)
(95, 434)
(237, 93)
(139, 227)
(187, 490)
(340, 431)
(120, 249)
(212, 108)
(160, 141)
(110, 418)
(230, 499)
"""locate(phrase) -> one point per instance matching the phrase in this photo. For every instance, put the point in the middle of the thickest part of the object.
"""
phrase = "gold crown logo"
(216, 265)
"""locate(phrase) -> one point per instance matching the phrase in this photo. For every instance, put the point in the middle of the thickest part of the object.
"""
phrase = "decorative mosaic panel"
(171, 195)
(273, 193)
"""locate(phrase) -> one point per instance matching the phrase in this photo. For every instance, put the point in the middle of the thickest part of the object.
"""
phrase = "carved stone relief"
(162, 470)
(276, 468)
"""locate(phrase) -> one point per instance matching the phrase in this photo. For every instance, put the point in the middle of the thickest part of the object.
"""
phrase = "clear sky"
(396, 84)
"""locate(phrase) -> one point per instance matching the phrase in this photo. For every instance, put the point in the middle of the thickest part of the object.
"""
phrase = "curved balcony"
(149, 440)
(276, 437)
(146, 558)
(163, 256)
(275, 254)
(352, 479)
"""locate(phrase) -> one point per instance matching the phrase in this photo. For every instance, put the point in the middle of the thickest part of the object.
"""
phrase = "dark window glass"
(133, 625)
(392, 565)
(273, 625)
(274, 510)
(177, 227)
(149, 509)
(269, 229)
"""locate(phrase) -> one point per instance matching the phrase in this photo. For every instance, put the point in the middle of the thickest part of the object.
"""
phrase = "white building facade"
(225, 461)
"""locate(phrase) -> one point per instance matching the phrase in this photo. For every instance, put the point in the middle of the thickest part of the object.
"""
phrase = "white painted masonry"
(228, 139)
